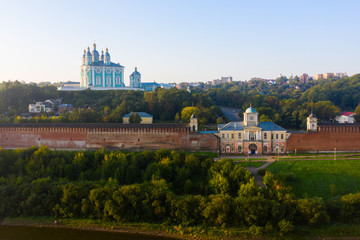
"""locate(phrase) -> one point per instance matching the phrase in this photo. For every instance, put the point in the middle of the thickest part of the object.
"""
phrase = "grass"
(250, 164)
(326, 179)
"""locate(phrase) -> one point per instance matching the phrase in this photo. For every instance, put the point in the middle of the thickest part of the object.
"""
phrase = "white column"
(113, 80)
(104, 80)
(103, 75)
(122, 82)
(93, 76)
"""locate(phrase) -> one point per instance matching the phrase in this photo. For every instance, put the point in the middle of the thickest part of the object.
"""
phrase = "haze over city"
(175, 41)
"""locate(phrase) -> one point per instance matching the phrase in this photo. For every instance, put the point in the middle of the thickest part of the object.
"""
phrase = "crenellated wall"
(109, 136)
(342, 137)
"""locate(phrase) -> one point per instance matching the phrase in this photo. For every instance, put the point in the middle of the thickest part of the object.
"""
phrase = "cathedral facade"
(97, 71)
(251, 137)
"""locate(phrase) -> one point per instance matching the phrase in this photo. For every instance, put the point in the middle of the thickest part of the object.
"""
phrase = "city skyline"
(173, 41)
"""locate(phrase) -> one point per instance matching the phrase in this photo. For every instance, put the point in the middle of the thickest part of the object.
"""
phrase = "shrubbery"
(163, 186)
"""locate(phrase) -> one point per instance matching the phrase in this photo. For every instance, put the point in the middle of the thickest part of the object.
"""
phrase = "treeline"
(164, 186)
(285, 104)
(104, 106)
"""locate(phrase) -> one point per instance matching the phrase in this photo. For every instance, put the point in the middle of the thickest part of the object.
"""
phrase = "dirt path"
(254, 172)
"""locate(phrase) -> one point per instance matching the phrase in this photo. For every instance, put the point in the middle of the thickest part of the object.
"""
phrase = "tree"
(135, 118)
(357, 114)
(187, 112)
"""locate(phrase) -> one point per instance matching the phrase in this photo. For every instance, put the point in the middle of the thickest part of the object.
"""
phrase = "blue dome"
(88, 52)
(94, 52)
(135, 72)
(250, 110)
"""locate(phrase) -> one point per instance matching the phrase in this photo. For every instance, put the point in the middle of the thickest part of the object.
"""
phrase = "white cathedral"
(97, 71)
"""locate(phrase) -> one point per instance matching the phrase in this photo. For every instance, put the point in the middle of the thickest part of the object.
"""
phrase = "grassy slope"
(324, 179)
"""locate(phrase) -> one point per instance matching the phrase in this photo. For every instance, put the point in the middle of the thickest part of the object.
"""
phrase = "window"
(98, 80)
(272, 136)
(227, 135)
(252, 136)
(239, 135)
(277, 136)
(117, 80)
(232, 135)
(108, 81)
(239, 149)
(223, 150)
(282, 136)
(223, 135)
(265, 136)
(232, 149)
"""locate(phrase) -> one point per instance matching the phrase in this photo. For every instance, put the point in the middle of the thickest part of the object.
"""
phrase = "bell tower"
(251, 117)
(311, 123)
(193, 123)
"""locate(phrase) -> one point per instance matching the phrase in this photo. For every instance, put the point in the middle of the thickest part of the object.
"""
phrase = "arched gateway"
(252, 149)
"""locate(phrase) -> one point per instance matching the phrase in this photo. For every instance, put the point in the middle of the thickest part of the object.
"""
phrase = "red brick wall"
(108, 138)
(324, 141)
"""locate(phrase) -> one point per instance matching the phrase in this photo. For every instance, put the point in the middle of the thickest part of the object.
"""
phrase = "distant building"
(97, 71)
(329, 75)
(166, 85)
(71, 84)
(63, 108)
(220, 81)
(304, 79)
(149, 86)
(318, 76)
(345, 117)
(145, 118)
(41, 107)
(135, 79)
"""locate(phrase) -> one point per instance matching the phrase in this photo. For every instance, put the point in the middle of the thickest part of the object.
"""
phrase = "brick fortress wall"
(109, 136)
(343, 137)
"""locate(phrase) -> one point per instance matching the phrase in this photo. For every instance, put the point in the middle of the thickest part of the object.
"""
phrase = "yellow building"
(252, 137)
(145, 118)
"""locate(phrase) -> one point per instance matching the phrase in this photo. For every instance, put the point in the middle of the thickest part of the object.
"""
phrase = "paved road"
(231, 113)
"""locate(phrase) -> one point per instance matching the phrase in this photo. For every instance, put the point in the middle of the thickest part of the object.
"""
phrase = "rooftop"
(141, 114)
(235, 126)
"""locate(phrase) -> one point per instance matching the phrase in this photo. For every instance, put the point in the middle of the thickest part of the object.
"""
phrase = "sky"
(180, 41)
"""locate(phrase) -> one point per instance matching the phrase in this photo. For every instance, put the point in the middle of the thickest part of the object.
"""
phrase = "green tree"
(135, 118)
(187, 112)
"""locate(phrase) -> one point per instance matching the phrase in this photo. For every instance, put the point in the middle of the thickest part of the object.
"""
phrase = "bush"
(285, 226)
(312, 211)
(256, 230)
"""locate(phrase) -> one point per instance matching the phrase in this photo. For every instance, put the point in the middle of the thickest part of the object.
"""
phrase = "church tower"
(311, 123)
(251, 117)
(135, 79)
(193, 123)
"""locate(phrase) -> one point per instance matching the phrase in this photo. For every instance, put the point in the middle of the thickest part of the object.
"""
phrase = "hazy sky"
(174, 41)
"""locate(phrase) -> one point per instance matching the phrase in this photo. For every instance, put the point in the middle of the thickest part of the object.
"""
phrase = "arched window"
(98, 80)
(265, 150)
(265, 136)
(239, 149)
(239, 135)
(252, 136)
(108, 81)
